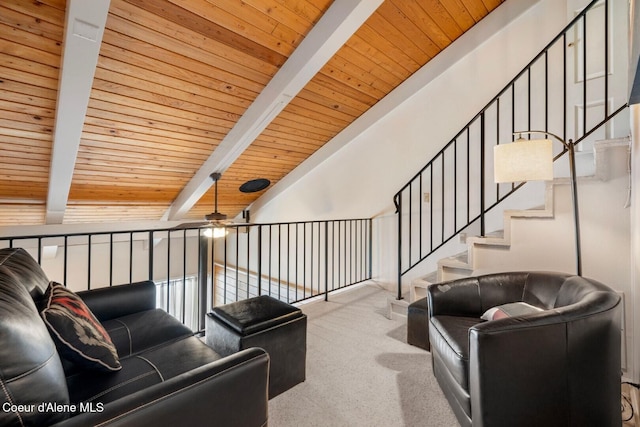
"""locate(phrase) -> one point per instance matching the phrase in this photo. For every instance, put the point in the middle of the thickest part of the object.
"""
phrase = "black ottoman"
(277, 327)
(418, 324)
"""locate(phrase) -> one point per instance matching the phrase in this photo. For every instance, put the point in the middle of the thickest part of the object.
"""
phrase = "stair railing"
(457, 183)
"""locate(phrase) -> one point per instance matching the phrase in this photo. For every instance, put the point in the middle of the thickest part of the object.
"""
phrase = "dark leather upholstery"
(265, 322)
(558, 367)
(110, 303)
(255, 314)
(418, 324)
(24, 268)
(30, 368)
(143, 330)
(140, 371)
(168, 376)
(231, 391)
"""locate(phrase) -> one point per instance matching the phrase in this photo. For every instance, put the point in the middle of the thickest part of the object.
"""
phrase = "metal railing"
(458, 180)
(292, 261)
(289, 261)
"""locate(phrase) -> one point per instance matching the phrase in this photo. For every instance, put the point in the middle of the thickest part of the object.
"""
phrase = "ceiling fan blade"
(187, 225)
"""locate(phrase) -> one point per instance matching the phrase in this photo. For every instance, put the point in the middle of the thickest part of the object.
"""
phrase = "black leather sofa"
(168, 376)
(556, 367)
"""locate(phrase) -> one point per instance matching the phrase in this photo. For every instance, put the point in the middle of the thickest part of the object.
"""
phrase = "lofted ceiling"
(182, 88)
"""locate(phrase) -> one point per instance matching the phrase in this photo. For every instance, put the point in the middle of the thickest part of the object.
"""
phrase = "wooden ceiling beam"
(84, 27)
(333, 30)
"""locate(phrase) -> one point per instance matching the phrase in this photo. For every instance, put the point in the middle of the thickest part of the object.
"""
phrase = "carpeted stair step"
(397, 308)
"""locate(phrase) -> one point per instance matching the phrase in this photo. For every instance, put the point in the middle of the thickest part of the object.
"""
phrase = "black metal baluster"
(442, 203)
(260, 260)
(151, 249)
(224, 270)
(237, 262)
(66, 259)
(184, 274)
(110, 259)
(131, 257)
(584, 76)
(89, 262)
(168, 268)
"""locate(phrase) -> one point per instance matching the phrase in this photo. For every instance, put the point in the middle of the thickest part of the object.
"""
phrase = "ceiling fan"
(215, 216)
(216, 222)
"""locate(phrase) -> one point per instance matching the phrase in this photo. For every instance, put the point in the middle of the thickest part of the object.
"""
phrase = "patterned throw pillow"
(79, 336)
(509, 310)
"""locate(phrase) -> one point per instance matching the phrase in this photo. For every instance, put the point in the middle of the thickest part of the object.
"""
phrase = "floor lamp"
(532, 160)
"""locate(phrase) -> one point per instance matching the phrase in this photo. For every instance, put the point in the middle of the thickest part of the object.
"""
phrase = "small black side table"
(265, 322)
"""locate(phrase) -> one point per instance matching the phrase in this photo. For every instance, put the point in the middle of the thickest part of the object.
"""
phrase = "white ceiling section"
(336, 26)
(84, 27)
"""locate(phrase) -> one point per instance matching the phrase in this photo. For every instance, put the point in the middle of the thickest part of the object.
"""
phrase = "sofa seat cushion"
(140, 371)
(450, 336)
(141, 331)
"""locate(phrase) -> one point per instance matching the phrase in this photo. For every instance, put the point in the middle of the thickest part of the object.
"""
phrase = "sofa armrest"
(455, 298)
(231, 391)
(121, 300)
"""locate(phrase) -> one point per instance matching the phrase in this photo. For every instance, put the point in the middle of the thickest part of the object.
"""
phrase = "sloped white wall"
(357, 173)
(360, 177)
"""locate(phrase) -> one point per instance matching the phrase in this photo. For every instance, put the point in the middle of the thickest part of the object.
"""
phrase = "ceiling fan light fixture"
(216, 232)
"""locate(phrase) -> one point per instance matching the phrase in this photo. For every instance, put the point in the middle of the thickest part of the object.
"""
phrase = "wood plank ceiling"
(174, 77)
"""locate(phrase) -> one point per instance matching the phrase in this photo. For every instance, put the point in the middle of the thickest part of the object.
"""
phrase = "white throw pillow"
(509, 310)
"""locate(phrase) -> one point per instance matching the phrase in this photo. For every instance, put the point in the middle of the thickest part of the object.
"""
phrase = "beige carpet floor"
(360, 370)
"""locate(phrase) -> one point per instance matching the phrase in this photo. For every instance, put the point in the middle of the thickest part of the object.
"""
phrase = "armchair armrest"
(231, 391)
(117, 301)
(514, 362)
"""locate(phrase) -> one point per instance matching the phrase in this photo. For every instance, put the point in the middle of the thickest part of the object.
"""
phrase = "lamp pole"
(570, 147)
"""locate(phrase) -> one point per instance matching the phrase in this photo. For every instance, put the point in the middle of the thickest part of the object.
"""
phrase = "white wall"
(635, 237)
(77, 276)
(360, 178)
(357, 173)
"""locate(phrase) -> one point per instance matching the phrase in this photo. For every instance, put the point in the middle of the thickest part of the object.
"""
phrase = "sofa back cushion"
(26, 270)
(542, 288)
(30, 368)
(117, 301)
(500, 288)
(576, 288)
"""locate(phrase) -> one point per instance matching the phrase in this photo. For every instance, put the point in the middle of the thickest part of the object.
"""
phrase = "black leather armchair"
(556, 367)
(168, 377)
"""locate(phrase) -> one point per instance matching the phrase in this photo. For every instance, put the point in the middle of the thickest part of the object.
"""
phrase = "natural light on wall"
(523, 160)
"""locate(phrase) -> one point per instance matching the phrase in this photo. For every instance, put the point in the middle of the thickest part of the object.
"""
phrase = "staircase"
(453, 204)
(540, 238)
